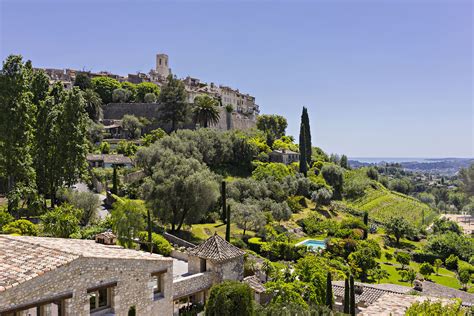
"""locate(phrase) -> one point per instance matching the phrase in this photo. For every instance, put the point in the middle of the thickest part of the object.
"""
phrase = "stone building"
(108, 161)
(284, 156)
(54, 276)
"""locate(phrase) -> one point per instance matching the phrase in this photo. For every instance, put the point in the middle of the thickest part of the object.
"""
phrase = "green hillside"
(382, 203)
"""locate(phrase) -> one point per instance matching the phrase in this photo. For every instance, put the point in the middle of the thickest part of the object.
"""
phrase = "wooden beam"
(102, 286)
(47, 300)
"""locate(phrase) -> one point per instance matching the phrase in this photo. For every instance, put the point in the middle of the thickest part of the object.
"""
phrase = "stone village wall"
(192, 284)
(227, 121)
(134, 286)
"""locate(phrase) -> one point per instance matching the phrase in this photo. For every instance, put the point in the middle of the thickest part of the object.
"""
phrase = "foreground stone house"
(55, 276)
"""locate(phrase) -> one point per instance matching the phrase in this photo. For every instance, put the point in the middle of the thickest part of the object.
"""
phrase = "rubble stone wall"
(134, 286)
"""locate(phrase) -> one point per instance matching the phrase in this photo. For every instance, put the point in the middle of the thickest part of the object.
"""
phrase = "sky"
(380, 78)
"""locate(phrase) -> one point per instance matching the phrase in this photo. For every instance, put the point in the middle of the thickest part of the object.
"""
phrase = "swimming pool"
(314, 244)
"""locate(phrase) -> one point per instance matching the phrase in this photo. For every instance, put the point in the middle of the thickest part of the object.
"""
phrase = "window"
(158, 286)
(99, 299)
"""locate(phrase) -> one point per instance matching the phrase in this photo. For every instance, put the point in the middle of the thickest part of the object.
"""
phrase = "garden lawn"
(204, 231)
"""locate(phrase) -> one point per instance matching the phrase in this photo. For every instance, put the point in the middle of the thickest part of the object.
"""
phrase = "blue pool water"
(314, 244)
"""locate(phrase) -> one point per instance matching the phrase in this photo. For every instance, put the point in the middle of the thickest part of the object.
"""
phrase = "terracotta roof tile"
(216, 248)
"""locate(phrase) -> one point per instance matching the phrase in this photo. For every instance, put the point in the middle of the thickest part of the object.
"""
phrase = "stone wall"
(179, 255)
(134, 286)
(232, 269)
(191, 284)
(227, 121)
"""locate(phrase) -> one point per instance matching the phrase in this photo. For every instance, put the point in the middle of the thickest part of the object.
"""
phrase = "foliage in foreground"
(230, 298)
(427, 308)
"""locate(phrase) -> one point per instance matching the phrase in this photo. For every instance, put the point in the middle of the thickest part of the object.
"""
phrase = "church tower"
(162, 68)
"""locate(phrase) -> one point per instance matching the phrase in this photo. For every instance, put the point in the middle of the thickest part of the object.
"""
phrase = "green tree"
(72, 141)
(144, 88)
(344, 163)
(174, 107)
(16, 123)
(302, 144)
(437, 264)
(121, 95)
(190, 188)
(379, 274)
(366, 223)
(452, 262)
(206, 111)
(352, 305)
(62, 221)
(428, 307)
(329, 295)
(372, 173)
(227, 224)
(274, 126)
(93, 104)
(105, 87)
(307, 135)
(347, 299)
(399, 227)
(151, 137)
(86, 202)
(334, 177)
(5, 218)
(83, 81)
(466, 175)
(128, 219)
(247, 217)
(132, 125)
(115, 181)
(464, 277)
(131, 88)
(361, 261)
(402, 258)
(230, 298)
(426, 269)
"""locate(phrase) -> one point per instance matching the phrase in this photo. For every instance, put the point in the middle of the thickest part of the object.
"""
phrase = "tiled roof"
(255, 284)
(25, 257)
(370, 292)
(216, 248)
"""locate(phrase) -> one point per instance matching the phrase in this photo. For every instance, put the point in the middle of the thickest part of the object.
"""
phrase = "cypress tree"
(227, 227)
(346, 296)
(352, 297)
(366, 223)
(150, 244)
(329, 296)
(307, 134)
(223, 201)
(115, 181)
(303, 161)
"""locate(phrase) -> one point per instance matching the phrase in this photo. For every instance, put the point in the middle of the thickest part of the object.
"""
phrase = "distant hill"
(444, 166)
(382, 203)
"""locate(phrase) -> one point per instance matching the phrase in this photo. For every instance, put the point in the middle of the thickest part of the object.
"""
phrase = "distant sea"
(397, 160)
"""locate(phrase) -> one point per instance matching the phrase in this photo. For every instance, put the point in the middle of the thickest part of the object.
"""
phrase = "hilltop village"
(154, 195)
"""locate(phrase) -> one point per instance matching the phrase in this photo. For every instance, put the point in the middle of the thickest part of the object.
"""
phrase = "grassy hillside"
(382, 203)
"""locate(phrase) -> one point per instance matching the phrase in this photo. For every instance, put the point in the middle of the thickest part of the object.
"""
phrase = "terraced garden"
(382, 203)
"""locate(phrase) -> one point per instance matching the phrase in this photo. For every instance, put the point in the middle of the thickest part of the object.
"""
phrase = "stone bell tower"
(162, 68)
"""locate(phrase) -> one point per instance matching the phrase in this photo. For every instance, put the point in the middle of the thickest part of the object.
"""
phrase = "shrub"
(21, 227)
(403, 258)
(160, 244)
(239, 243)
(426, 269)
(451, 243)
(452, 262)
(420, 256)
(388, 256)
(435, 308)
(62, 221)
(5, 218)
(255, 244)
(230, 298)
(294, 203)
(372, 173)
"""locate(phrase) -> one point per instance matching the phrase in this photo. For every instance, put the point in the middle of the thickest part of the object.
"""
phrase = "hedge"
(255, 244)
(421, 257)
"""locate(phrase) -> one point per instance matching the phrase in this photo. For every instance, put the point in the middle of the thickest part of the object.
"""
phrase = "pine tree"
(329, 295)
(344, 163)
(303, 160)
(347, 298)
(227, 227)
(307, 134)
(366, 223)
(352, 307)
(174, 108)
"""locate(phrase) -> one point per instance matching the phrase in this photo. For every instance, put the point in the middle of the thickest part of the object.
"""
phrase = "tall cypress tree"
(352, 296)
(347, 298)
(303, 160)
(223, 201)
(227, 227)
(307, 131)
(366, 223)
(329, 296)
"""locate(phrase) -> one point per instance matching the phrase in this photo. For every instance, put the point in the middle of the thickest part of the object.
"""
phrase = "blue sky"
(380, 78)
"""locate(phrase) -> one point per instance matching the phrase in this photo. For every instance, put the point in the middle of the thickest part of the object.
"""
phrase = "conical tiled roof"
(216, 248)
